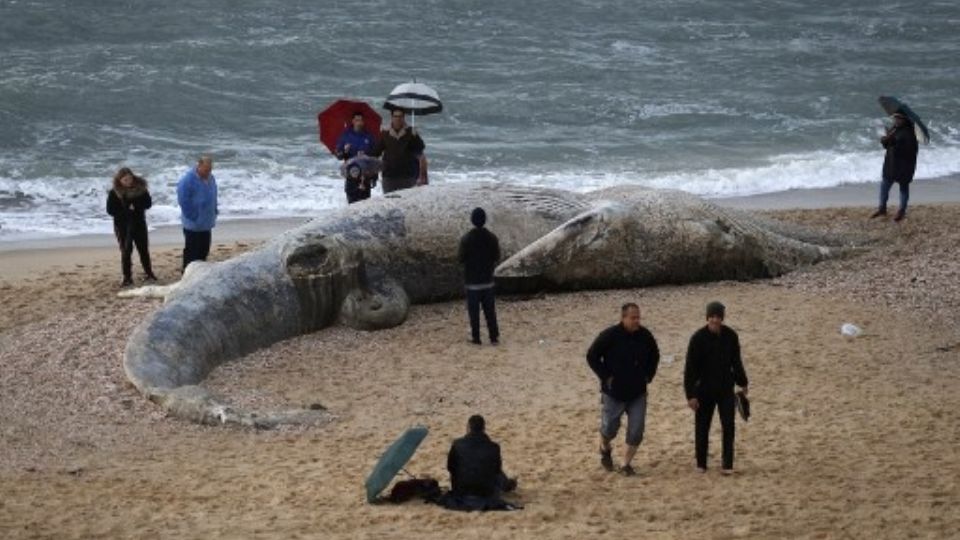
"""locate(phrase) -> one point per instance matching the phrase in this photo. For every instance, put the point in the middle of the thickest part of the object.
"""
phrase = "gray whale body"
(364, 266)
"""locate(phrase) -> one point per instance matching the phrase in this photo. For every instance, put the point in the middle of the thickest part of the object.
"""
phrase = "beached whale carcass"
(365, 264)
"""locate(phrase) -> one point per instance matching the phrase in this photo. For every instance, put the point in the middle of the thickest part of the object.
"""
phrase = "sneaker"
(878, 213)
(900, 216)
(495, 341)
(150, 277)
(606, 459)
(475, 341)
(702, 470)
(727, 472)
(627, 470)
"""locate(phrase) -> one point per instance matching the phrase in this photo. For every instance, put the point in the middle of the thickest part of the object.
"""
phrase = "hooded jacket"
(900, 161)
(128, 205)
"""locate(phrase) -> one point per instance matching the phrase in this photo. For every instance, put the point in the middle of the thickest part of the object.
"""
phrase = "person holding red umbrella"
(353, 142)
(348, 129)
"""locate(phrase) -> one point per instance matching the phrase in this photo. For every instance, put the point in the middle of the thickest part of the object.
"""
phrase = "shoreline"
(24, 258)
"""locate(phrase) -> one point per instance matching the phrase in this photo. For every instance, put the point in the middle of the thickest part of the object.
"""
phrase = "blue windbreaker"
(198, 201)
(359, 142)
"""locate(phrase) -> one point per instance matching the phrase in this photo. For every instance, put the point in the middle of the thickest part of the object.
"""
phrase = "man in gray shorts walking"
(625, 359)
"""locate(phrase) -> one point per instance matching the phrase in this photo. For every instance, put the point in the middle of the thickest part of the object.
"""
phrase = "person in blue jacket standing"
(197, 197)
(353, 142)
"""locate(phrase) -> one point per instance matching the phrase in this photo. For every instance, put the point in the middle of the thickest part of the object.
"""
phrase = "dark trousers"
(396, 184)
(127, 238)
(475, 300)
(353, 191)
(196, 246)
(726, 406)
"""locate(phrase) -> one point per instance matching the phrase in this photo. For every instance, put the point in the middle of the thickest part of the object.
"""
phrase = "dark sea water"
(718, 98)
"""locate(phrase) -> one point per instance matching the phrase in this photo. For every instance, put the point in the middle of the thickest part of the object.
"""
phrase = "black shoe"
(494, 341)
(126, 282)
(627, 470)
(150, 277)
(900, 215)
(878, 213)
(475, 341)
(606, 459)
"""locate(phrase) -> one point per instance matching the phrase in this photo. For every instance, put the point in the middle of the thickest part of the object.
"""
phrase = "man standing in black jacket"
(479, 254)
(625, 359)
(713, 367)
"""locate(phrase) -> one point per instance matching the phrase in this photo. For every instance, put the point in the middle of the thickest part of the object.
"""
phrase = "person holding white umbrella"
(400, 146)
(401, 150)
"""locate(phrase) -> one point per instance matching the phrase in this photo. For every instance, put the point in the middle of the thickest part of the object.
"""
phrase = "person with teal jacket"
(197, 197)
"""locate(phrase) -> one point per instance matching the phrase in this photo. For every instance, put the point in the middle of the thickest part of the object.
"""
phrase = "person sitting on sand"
(127, 201)
(624, 357)
(475, 465)
(713, 367)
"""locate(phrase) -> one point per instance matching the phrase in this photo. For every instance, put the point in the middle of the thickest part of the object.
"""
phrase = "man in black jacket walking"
(713, 367)
(479, 254)
(625, 358)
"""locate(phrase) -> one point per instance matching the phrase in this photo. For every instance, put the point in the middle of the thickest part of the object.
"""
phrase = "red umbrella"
(337, 117)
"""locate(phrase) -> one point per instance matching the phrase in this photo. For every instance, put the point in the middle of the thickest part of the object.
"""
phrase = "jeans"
(885, 186)
(196, 246)
(726, 406)
(475, 300)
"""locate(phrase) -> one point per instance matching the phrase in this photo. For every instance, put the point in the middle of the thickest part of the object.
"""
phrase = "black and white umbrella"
(414, 98)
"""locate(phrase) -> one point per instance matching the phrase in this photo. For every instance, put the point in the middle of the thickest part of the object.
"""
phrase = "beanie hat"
(716, 308)
(478, 217)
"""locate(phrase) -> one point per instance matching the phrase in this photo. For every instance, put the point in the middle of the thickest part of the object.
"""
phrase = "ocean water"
(713, 97)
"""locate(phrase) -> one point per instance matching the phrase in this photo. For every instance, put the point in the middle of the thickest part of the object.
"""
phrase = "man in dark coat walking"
(624, 357)
(713, 367)
(479, 254)
(899, 163)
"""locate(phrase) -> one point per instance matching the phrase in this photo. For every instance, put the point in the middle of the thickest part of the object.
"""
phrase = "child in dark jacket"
(127, 202)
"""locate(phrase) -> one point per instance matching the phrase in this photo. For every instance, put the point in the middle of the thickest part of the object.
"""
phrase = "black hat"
(716, 308)
(478, 217)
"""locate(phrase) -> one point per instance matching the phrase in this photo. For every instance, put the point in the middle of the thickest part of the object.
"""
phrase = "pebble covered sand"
(850, 437)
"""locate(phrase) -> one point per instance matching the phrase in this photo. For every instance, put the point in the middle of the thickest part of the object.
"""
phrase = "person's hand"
(346, 148)
(131, 208)
(693, 403)
(744, 390)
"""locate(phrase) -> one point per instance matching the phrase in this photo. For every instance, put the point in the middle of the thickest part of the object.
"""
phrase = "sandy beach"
(850, 438)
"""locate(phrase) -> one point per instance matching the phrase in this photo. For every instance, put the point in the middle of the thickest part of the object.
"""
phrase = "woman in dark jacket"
(899, 163)
(127, 202)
